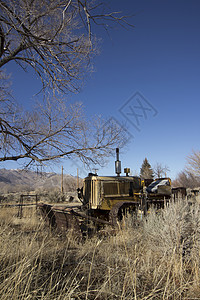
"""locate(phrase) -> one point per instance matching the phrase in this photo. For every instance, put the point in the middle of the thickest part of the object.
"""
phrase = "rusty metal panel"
(66, 220)
(47, 214)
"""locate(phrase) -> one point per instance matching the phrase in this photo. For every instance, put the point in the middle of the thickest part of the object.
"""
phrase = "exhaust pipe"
(117, 163)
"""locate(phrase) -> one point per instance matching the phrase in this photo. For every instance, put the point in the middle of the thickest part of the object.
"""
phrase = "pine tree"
(146, 171)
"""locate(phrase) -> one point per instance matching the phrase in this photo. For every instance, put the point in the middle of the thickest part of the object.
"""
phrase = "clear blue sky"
(160, 61)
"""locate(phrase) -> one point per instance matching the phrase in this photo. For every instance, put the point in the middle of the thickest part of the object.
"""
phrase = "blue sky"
(157, 62)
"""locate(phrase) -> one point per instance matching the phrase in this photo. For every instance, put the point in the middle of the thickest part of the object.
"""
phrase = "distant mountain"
(26, 180)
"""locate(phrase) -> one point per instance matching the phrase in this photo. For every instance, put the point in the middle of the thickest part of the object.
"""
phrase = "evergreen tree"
(146, 171)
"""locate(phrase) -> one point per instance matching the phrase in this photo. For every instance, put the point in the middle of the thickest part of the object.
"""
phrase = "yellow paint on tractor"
(103, 192)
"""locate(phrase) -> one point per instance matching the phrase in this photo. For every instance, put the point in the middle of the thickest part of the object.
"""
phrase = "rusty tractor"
(106, 199)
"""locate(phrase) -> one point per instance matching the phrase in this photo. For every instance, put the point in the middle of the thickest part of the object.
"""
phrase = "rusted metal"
(94, 219)
(66, 220)
(22, 204)
(47, 214)
(179, 192)
(116, 212)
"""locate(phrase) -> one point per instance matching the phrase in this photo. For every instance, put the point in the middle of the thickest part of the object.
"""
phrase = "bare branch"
(53, 37)
(56, 39)
(160, 171)
(55, 130)
(193, 163)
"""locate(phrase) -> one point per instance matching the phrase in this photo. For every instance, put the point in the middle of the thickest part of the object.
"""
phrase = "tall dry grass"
(157, 260)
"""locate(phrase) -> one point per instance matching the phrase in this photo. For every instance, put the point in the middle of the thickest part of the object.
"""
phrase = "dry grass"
(158, 260)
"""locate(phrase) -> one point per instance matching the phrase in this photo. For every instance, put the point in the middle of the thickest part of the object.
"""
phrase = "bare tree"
(48, 133)
(56, 40)
(190, 177)
(187, 180)
(160, 170)
(193, 163)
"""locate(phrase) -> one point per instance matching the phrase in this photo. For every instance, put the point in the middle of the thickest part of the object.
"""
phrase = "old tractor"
(106, 199)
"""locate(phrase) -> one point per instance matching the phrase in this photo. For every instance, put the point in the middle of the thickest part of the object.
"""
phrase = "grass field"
(160, 259)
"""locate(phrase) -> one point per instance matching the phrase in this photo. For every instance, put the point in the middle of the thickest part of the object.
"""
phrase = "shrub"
(157, 260)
